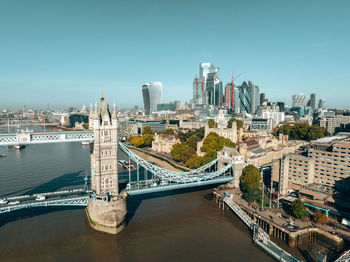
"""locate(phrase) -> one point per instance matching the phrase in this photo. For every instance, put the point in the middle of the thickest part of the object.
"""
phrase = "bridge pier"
(108, 217)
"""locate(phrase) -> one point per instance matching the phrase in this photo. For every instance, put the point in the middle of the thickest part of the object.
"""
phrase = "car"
(3, 201)
(38, 198)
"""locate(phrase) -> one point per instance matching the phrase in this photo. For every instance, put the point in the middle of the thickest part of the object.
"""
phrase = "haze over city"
(65, 52)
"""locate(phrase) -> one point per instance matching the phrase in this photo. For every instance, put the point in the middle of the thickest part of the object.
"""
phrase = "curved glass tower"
(152, 95)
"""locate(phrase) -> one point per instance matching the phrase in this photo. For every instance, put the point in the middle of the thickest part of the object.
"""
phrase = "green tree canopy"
(183, 136)
(147, 130)
(168, 131)
(251, 176)
(187, 154)
(299, 209)
(214, 142)
(208, 157)
(147, 139)
(212, 123)
(238, 121)
(302, 131)
(137, 140)
(178, 150)
(194, 161)
(192, 141)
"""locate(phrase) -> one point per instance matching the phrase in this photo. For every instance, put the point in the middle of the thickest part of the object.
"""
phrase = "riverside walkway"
(260, 237)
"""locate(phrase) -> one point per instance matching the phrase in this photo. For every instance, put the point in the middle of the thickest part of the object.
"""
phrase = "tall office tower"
(312, 102)
(298, 100)
(249, 97)
(321, 104)
(200, 92)
(281, 105)
(214, 90)
(236, 101)
(228, 95)
(152, 96)
(262, 98)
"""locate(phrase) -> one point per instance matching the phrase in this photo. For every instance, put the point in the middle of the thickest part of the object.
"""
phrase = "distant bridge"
(26, 137)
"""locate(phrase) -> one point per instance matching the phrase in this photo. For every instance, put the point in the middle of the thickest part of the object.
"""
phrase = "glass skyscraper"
(152, 96)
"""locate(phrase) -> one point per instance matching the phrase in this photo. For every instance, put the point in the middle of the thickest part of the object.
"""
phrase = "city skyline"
(283, 48)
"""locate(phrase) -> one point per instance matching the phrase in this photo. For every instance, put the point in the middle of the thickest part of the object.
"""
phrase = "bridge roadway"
(75, 197)
(262, 239)
(174, 186)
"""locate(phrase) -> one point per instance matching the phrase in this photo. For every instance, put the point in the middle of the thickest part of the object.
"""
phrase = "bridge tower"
(226, 156)
(106, 209)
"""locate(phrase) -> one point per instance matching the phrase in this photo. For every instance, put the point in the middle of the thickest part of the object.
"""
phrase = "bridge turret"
(106, 209)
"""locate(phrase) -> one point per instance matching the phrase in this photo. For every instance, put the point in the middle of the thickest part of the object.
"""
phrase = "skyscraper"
(312, 102)
(321, 104)
(298, 100)
(152, 96)
(262, 98)
(249, 98)
(207, 88)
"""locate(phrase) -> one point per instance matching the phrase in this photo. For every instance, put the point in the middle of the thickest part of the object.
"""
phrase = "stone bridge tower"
(226, 156)
(106, 209)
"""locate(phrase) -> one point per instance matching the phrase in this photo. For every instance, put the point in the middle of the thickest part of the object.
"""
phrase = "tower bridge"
(105, 202)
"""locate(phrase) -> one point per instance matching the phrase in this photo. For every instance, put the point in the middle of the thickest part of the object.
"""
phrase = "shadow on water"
(133, 202)
(71, 179)
(31, 212)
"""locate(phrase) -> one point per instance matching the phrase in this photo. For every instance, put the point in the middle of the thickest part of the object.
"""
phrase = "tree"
(299, 209)
(147, 130)
(199, 132)
(302, 131)
(137, 141)
(192, 141)
(167, 131)
(251, 176)
(178, 150)
(187, 154)
(147, 139)
(194, 161)
(215, 142)
(320, 217)
(212, 123)
(238, 122)
(208, 157)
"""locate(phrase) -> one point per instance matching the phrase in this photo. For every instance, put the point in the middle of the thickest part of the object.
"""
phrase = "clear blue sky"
(64, 52)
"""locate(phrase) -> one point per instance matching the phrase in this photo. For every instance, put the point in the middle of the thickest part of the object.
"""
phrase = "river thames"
(172, 227)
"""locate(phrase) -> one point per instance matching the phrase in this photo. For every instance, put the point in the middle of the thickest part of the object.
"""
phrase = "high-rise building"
(262, 98)
(298, 100)
(281, 105)
(214, 90)
(321, 104)
(312, 102)
(249, 97)
(152, 96)
(207, 88)
(228, 95)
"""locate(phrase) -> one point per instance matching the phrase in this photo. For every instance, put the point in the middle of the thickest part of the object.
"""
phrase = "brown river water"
(182, 226)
